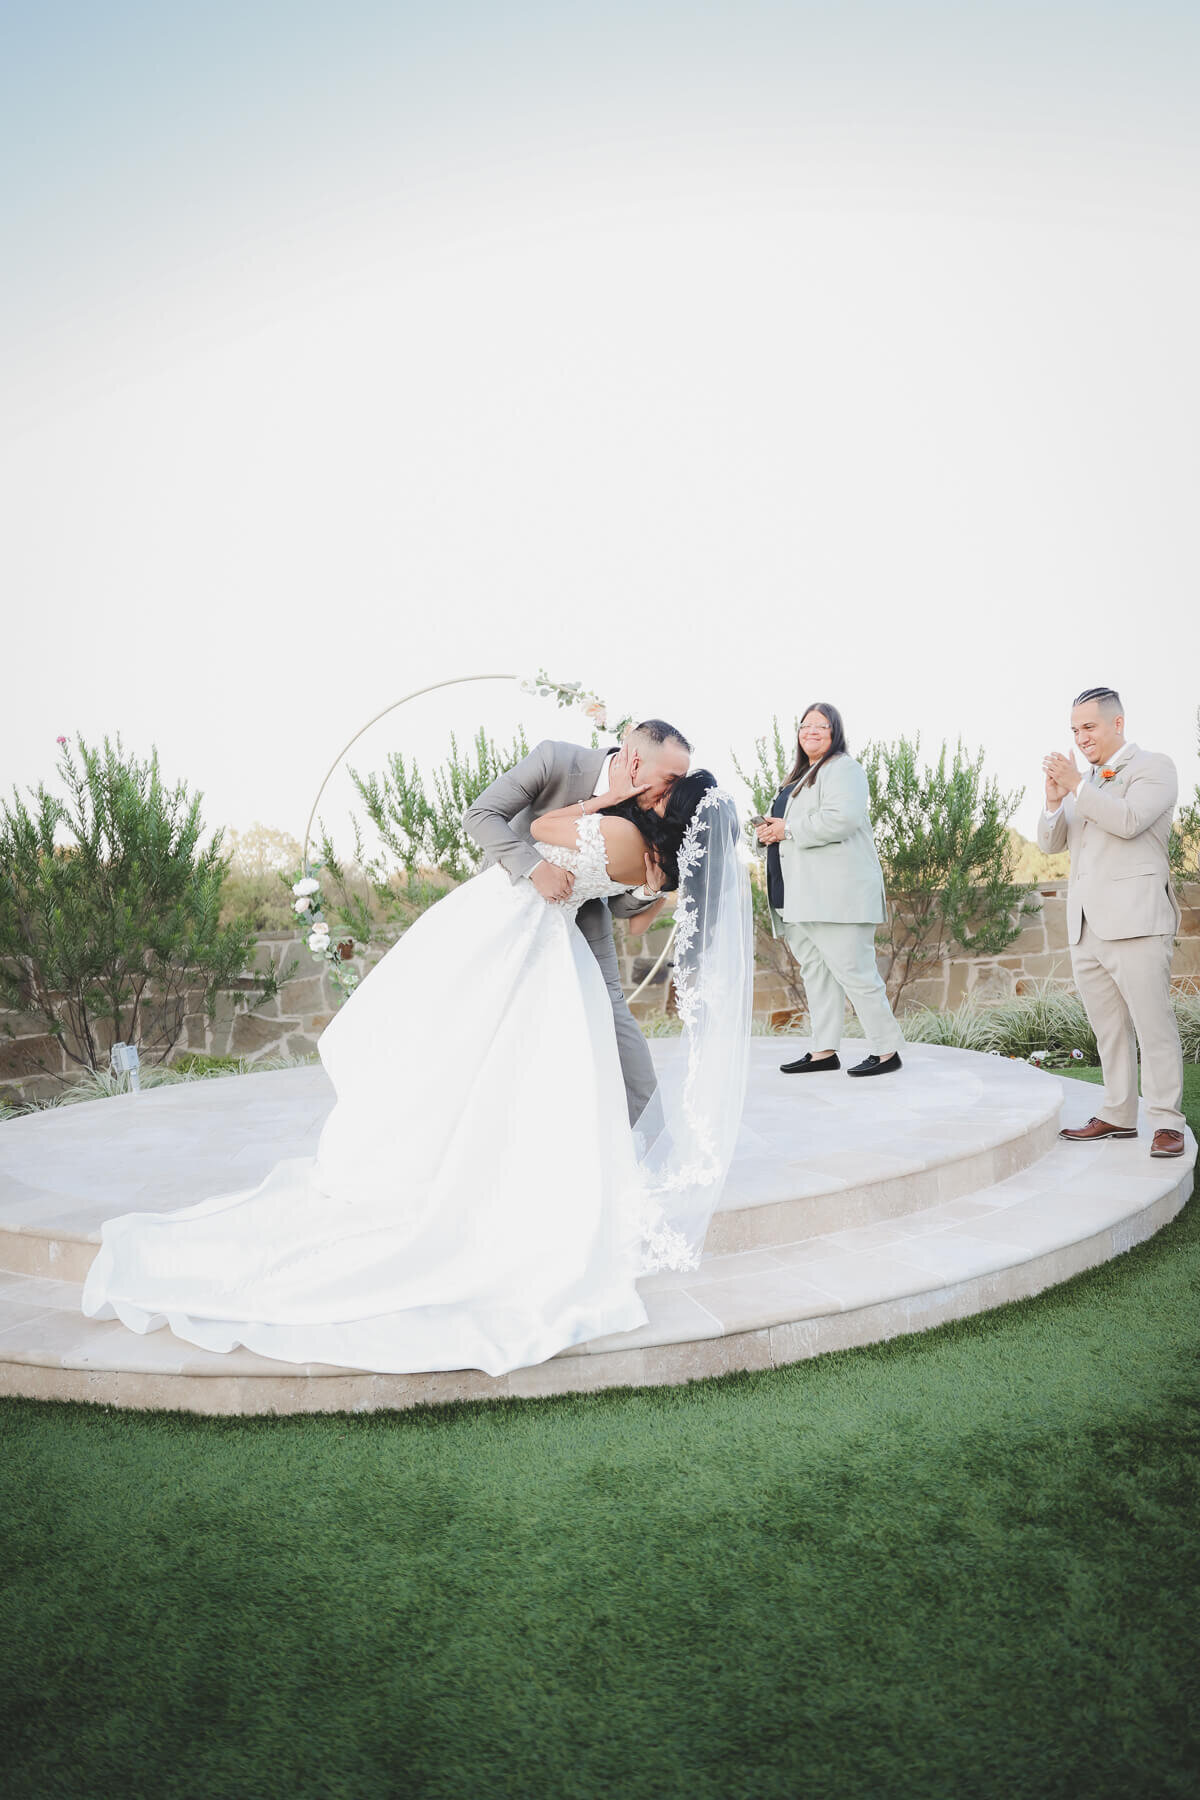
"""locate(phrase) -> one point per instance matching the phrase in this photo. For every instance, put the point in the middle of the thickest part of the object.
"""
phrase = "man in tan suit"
(1121, 914)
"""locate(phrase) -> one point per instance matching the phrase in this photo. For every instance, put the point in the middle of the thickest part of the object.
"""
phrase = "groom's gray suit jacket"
(552, 775)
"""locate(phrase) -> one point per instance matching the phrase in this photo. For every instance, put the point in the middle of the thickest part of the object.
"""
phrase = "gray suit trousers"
(637, 1068)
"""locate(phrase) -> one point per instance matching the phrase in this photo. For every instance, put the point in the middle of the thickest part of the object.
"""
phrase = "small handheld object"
(758, 820)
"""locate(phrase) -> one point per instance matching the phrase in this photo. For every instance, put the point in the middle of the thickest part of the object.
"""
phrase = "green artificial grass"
(958, 1564)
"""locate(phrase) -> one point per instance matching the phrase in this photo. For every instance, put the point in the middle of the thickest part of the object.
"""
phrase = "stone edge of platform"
(772, 1346)
(67, 1256)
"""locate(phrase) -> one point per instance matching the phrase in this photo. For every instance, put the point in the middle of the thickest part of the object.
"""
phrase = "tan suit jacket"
(1117, 832)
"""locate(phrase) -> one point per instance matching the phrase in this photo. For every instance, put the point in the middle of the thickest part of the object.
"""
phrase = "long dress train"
(474, 1201)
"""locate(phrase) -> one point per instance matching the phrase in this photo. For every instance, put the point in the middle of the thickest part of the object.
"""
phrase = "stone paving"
(854, 1211)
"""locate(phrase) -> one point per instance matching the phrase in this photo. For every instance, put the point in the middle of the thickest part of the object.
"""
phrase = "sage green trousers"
(837, 963)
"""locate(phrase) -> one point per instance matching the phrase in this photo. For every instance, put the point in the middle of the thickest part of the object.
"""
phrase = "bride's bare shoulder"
(624, 849)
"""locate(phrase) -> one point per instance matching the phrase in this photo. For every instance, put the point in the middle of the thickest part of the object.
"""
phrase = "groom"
(1121, 915)
(556, 774)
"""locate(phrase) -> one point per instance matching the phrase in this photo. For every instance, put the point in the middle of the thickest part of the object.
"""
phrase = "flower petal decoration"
(306, 886)
(302, 905)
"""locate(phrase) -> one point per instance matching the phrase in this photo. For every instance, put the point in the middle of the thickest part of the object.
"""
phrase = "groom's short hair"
(659, 732)
(1107, 701)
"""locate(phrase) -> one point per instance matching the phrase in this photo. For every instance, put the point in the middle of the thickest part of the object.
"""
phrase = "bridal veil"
(687, 1137)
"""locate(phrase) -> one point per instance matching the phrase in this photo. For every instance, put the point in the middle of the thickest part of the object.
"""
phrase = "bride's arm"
(562, 825)
(641, 921)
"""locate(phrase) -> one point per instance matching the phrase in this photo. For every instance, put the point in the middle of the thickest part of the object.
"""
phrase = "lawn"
(960, 1564)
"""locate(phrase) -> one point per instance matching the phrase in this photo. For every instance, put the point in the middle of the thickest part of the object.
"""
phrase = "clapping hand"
(1062, 778)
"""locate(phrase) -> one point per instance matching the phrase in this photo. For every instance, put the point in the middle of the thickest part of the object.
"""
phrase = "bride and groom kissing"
(492, 1179)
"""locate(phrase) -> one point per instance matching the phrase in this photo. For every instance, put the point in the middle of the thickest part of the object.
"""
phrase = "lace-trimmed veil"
(686, 1144)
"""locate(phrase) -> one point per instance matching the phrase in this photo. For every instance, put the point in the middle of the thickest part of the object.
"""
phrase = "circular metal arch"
(432, 688)
(455, 681)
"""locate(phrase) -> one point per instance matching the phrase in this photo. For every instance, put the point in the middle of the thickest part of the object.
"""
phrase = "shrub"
(772, 760)
(1184, 848)
(424, 850)
(1049, 1020)
(1187, 1017)
(99, 1084)
(943, 839)
(110, 909)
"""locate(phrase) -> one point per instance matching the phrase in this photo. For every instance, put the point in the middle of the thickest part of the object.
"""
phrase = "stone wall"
(1040, 954)
(32, 1064)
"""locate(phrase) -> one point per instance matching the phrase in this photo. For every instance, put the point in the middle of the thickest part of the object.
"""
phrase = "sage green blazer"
(830, 866)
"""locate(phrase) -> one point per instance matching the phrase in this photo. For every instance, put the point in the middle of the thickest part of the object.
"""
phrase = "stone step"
(1079, 1205)
(816, 1153)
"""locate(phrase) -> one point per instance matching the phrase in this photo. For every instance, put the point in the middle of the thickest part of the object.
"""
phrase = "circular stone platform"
(855, 1210)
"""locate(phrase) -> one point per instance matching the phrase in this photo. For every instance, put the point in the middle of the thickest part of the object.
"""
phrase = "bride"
(478, 1198)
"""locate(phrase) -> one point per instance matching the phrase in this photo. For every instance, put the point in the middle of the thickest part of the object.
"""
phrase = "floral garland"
(309, 905)
(573, 693)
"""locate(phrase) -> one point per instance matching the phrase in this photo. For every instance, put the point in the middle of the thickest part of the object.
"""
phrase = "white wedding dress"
(475, 1200)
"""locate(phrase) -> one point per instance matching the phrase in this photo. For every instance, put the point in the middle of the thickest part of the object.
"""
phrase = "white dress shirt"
(604, 778)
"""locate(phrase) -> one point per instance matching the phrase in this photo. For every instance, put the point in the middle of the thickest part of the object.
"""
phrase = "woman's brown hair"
(837, 733)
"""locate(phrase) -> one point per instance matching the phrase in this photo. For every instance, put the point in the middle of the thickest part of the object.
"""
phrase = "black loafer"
(876, 1065)
(806, 1065)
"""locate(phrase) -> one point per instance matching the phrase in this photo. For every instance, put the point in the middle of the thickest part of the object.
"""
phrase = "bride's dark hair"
(664, 835)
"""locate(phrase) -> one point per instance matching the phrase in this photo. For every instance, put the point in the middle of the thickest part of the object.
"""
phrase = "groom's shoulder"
(1154, 763)
(558, 752)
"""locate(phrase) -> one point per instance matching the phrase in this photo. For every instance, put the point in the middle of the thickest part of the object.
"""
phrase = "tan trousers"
(837, 963)
(1125, 986)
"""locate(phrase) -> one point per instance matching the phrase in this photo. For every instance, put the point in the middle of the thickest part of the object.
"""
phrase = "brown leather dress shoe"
(1098, 1128)
(1167, 1143)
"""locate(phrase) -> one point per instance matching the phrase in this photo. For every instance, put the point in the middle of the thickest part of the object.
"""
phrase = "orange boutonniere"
(1107, 774)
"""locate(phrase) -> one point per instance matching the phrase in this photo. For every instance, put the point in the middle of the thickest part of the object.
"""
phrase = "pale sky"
(722, 357)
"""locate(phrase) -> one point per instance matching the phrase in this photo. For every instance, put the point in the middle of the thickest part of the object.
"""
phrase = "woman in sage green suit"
(825, 887)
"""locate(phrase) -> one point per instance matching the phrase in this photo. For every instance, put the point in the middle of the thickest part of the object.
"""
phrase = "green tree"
(773, 758)
(1184, 847)
(423, 847)
(110, 907)
(942, 833)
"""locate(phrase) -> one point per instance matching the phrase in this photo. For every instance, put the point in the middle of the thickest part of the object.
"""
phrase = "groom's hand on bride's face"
(552, 883)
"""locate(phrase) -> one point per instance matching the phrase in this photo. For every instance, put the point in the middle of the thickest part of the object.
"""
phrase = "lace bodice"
(587, 863)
